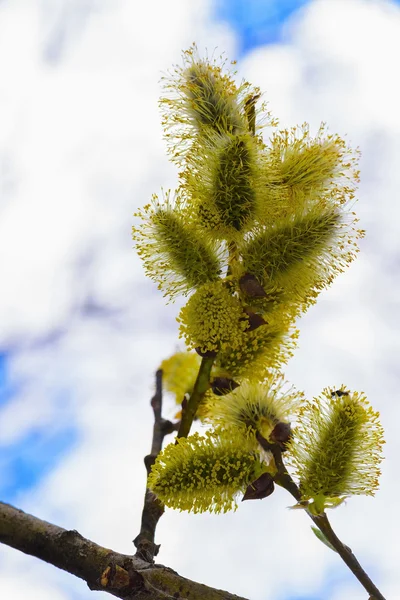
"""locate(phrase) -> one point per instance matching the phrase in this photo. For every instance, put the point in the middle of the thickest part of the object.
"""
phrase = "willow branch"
(200, 387)
(284, 479)
(153, 508)
(123, 576)
(322, 522)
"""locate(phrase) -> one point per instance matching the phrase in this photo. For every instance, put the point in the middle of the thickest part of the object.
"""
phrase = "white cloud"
(81, 137)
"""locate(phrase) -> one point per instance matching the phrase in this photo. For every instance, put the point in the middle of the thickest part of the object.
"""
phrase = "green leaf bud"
(322, 538)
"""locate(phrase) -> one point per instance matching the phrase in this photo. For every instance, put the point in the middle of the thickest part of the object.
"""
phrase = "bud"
(260, 488)
(223, 385)
(250, 286)
(255, 320)
(281, 435)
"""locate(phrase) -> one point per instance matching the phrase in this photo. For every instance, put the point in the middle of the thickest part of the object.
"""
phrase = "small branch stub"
(115, 577)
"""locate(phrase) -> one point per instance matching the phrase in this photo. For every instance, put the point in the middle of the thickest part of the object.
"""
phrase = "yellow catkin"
(261, 351)
(206, 473)
(202, 99)
(300, 255)
(336, 447)
(179, 373)
(173, 252)
(212, 319)
(256, 406)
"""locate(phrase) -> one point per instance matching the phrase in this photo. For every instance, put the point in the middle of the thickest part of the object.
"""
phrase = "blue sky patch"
(25, 463)
(5, 390)
(3, 366)
(256, 22)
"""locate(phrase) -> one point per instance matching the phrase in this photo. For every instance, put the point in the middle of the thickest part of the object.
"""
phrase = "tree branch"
(200, 387)
(346, 555)
(153, 508)
(123, 576)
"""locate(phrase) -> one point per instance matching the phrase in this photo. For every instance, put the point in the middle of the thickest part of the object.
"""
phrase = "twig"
(284, 479)
(200, 387)
(123, 576)
(153, 508)
(346, 555)
(250, 111)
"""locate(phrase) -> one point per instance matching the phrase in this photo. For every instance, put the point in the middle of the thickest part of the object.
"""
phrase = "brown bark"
(123, 576)
(153, 508)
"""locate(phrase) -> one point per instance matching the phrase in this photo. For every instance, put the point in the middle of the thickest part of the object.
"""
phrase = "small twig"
(250, 111)
(284, 479)
(200, 387)
(153, 508)
(346, 555)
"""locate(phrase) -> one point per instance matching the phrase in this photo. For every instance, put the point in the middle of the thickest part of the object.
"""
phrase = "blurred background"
(81, 329)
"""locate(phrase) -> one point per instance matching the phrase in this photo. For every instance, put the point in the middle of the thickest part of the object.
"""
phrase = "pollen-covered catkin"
(174, 253)
(223, 185)
(261, 351)
(300, 255)
(206, 473)
(317, 168)
(200, 100)
(212, 319)
(210, 102)
(257, 407)
(179, 373)
(336, 448)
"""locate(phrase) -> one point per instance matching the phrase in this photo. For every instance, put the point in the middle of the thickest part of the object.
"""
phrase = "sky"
(81, 329)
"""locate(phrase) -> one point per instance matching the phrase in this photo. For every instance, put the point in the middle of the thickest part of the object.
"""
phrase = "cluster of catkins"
(253, 233)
